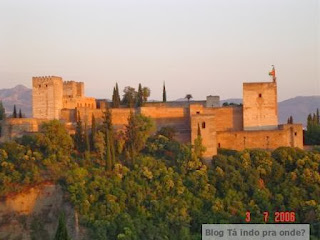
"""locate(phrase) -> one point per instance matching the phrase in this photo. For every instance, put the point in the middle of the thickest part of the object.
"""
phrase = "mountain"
(298, 108)
(19, 96)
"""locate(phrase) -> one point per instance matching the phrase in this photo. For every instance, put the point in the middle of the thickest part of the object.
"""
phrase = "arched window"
(203, 124)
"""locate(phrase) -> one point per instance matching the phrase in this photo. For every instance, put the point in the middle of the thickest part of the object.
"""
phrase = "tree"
(79, 135)
(188, 96)
(117, 94)
(290, 120)
(20, 113)
(14, 115)
(129, 97)
(93, 132)
(145, 94)
(62, 232)
(116, 97)
(54, 139)
(139, 96)
(109, 140)
(86, 138)
(137, 131)
(164, 93)
(2, 111)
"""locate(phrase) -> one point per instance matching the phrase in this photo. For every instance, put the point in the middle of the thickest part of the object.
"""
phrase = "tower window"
(203, 124)
(295, 133)
(260, 95)
(219, 145)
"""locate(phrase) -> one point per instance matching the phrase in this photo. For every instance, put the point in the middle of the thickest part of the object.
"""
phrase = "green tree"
(139, 96)
(79, 138)
(93, 132)
(109, 140)
(2, 112)
(20, 113)
(164, 93)
(14, 115)
(129, 97)
(62, 232)
(145, 93)
(137, 131)
(116, 97)
(54, 139)
(86, 139)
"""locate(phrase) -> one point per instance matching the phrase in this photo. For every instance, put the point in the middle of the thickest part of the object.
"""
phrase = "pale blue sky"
(198, 47)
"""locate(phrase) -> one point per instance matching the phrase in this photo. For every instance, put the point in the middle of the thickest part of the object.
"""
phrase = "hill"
(19, 96)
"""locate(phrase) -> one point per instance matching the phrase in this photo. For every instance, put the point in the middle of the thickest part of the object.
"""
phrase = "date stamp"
(277, 217)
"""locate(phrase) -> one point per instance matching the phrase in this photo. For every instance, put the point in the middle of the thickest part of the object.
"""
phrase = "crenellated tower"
(47, 93)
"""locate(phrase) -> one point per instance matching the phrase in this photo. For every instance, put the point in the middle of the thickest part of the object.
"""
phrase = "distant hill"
(298, 107)
(19, 96)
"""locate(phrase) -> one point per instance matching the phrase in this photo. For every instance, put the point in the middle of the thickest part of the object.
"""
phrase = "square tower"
(260, 107)
(47, 95)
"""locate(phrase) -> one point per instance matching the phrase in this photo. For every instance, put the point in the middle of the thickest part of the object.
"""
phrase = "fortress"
(252, 125)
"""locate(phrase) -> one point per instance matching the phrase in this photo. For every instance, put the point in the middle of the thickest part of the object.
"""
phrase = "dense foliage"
(157, 188)
(312, 135)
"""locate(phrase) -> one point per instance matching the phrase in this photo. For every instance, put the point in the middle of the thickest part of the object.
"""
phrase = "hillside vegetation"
(131, 185)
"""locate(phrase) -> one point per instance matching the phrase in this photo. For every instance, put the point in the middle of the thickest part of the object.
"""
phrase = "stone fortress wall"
(253, 125)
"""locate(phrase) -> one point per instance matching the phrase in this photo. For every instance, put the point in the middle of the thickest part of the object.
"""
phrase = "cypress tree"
(199, 131)
(318, 117)
(117, 95)
(164, 93)
(78, 138)
(110, 148)
(2, 111)
(86, 138)
(93, 132)
(139, 96)
(20, 113)
(62, 232)
(14, 115)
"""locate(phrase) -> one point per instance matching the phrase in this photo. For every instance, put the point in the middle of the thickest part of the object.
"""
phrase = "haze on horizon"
(203, 47)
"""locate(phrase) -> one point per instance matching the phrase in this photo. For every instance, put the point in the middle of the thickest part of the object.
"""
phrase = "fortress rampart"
(253, 125)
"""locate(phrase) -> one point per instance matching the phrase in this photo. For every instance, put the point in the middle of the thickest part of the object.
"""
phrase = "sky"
(201, 47)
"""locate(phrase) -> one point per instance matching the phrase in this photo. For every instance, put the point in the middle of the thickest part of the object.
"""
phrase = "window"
(260, 95)
(295, 133)
(203, 124)
(39, 86)
(198, 112)
(219, 145)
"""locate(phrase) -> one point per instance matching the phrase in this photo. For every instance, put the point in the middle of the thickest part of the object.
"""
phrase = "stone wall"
(79, 102)
(17, 127)
(290, 136)
(260, 111)
(206, 123)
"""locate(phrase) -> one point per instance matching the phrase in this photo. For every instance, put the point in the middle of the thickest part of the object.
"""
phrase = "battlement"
(73, 89)
(45, 80)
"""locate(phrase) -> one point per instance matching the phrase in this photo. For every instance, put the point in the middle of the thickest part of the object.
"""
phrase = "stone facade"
(260, 106)
(253, 125)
